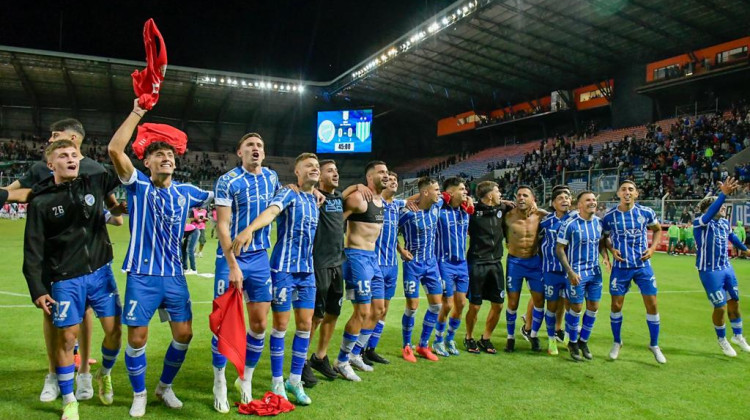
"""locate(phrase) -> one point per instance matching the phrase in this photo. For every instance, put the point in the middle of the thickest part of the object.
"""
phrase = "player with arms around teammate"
(292, 271)
(712, 231)
(241, 195)
(159, 208)
(67, 255)
(626, 226)
(578, 252)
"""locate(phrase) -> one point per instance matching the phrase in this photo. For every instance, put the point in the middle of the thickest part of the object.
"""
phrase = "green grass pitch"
(697, 381)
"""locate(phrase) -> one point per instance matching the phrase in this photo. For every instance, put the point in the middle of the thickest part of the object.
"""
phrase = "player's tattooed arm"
(572, 275)
(243, 240)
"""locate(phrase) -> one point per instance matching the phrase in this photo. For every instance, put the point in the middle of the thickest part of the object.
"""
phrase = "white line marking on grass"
(17, 306)
(13, 294)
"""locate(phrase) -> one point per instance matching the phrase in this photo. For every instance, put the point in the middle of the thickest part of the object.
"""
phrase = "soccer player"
(524, 262)
(453, 226)
(363, 280)
(674, 238)
(627, 225)
(484, 257)
(553, 276)
(67, 255)
(578, 249)
(241, 195)
(712, 231)
(159, 208)
(292, 271)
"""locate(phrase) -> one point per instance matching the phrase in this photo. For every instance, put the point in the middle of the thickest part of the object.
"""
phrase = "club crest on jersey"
(89, 199)
(599, 228)
(434, 212)
(641, 219)
(181, 201)
(233, 174)
(272, 178)
(499, 214)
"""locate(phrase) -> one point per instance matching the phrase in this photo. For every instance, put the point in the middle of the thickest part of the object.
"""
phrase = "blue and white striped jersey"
(419, 229)
(453, 228)
(629, 233)
(295, 231)
(248, 195)
(157, 221)
(582, 239)
(385, 246)
(548, 227)
(711, 237)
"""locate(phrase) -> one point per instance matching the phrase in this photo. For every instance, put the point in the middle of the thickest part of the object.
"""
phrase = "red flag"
(270, 405)
(227, 322)
(146, 83)
(151, 132)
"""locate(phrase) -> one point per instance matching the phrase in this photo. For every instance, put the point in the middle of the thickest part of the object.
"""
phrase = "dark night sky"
(307, 39)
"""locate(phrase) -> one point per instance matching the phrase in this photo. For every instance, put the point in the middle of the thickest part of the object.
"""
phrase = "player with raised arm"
(625, 229)
(67, 256)
(712, 232)
(578, 252)
(453, 226)
(159, 208)
(292, 271)
(524, 262)
(364, 282)
(241, 195)
(419, 229)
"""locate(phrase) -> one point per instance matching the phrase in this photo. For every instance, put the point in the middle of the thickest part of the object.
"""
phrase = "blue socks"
(65, 377)
(428, 324)
(572, 319)
(255, 342)
(277, 354)
(615, 321)
(453, 324)
(375, 337)
(537, 316)
(109, 357)
(299, 355)
(347, 344)
(653, 328)
(407, 325)
(173, 361)
(550, 318)
(135, 362)
(721, 332)
(439, 331)
(589, 317)
(736, 326)
(217, 359)
(362, 340)
(510, 320)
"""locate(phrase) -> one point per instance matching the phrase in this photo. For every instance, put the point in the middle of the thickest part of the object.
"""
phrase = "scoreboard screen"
(344, 131)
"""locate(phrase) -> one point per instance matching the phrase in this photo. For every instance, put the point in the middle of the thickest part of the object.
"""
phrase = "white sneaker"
(727, 348)
(740, 341)
(345, 370)
(358, 363)
(84, 387)
(221, 403)
(138, 408)
(245, 388)
(51, 389)
(166, 394)
(199, 255)
(615, 352)
(189, 272)
(658, 355)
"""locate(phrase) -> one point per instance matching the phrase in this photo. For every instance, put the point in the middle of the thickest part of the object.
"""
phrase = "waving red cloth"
(227, 322)
(151, 132)
(270, 405)
(468, 209)
(146, 83)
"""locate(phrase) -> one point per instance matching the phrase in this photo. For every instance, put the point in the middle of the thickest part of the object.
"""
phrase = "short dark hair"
(247, 136)
(453, 181)
(304, 156)
(627, 181)
(582, 193)
(485, 187)
(391, 173)
(373, 163)
(526, 187)
(60, 144)
(157, 145)
(560, 187)
(425, 181)
(325, 162)
(558, 192)
(68, 124)
(706, 203)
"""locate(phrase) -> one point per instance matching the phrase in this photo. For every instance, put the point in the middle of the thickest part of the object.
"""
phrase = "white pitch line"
(17, 306)
(13, 294)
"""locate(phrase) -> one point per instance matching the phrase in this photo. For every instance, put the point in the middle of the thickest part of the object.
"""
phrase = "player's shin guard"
(375, 337)
(65, 378)
(736, 326)
(510, 321)
(173, 362)
(277, 355)
(537, 316)
(217, 359)
(135, 362)
(362, 340)
(550, 319)
(615, 321)
(572, 318)
(347, 344)
(253, 350)
(109, 357)
(439, 331)
(588, 324)
(299, 355)
(453, 324)
(428, 324)
(407, 325)
(653, 328)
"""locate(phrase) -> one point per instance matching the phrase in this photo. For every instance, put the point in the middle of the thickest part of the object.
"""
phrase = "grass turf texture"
(697, 379)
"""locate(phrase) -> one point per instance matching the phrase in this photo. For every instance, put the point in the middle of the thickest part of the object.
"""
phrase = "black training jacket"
(66, 234)
(486, 234)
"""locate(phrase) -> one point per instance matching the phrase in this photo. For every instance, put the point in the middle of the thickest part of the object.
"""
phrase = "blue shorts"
(256, 273)
(98, 290)
(589, 288)
(719, 285)
(524, 268)
(619, 280)
(145, 294)
(555, 284)
(292, 289)
(390, 278)
(377, 286)
(359, 274)
(455, 276)
(424, 272)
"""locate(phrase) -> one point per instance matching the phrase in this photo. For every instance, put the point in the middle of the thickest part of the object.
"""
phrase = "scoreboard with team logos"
(344, 131)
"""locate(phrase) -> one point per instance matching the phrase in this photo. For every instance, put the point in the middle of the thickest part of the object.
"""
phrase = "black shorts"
(486, 282)
(329, 291)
